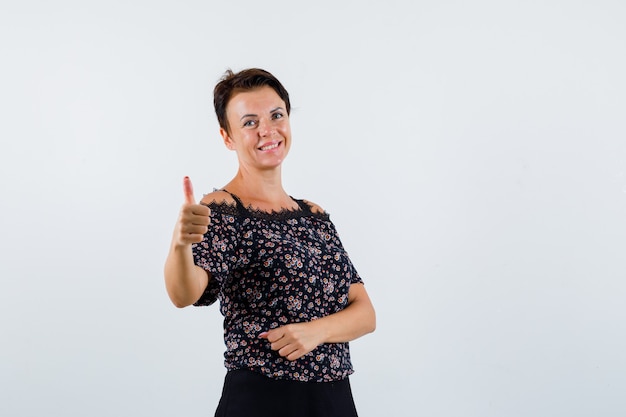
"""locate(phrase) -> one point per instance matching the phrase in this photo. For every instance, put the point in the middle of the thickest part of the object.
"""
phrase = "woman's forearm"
(185, 282)
(356, 320)
(295, 340)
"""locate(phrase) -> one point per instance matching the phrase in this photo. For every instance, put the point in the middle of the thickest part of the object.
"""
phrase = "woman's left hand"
(294, 340)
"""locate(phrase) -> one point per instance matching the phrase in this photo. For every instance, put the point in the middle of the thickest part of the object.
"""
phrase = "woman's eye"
(249, 123)
(277, 116)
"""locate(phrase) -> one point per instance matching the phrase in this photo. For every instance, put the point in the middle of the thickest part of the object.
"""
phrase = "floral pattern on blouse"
(269, 270)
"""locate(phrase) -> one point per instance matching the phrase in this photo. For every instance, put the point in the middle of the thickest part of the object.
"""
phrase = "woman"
(290, 297)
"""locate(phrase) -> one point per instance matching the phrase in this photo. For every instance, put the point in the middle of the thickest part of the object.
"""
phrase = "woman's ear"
(227, 140)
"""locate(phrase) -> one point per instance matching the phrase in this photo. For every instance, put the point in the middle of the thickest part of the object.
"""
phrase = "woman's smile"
(270, 146)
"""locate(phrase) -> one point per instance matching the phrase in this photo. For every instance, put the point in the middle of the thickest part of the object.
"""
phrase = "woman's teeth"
(268, 147)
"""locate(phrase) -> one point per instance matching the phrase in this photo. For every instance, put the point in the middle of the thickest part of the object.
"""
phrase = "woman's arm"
(295, 340)
(185, 282)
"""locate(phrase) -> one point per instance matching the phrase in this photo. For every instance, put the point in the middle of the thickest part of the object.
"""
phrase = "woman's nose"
(265, 128)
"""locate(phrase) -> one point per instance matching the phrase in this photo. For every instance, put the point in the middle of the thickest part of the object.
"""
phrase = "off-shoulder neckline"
(237, 207)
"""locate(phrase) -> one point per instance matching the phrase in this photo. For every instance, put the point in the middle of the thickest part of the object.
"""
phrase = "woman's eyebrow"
(255, 115)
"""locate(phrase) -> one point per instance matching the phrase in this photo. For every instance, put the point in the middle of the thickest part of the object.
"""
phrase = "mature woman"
(290, 296)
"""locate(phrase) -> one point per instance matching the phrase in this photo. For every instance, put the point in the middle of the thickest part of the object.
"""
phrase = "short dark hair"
(245, 80)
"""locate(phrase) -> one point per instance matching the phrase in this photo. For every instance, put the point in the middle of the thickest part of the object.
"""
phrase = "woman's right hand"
(185, 282)
(193, 220)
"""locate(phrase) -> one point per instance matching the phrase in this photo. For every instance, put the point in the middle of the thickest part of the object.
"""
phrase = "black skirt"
(250, 394)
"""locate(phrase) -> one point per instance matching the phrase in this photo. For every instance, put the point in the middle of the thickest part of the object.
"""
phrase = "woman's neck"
(263, 191)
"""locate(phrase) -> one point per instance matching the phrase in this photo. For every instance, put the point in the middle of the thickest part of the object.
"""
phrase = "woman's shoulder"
(217, 198)
(315, 208)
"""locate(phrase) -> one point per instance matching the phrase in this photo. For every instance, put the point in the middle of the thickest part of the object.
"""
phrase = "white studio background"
(471, 154)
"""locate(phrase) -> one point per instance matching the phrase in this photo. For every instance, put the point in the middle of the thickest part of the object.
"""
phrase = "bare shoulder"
(218, 196)
(315, 208)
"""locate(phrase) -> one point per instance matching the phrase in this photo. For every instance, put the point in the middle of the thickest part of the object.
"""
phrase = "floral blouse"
(269, 270)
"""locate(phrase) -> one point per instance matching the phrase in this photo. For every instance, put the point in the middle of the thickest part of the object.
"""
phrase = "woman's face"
(259, 128)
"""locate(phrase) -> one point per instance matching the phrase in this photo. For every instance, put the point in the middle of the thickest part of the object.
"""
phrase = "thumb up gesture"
(193, 220)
